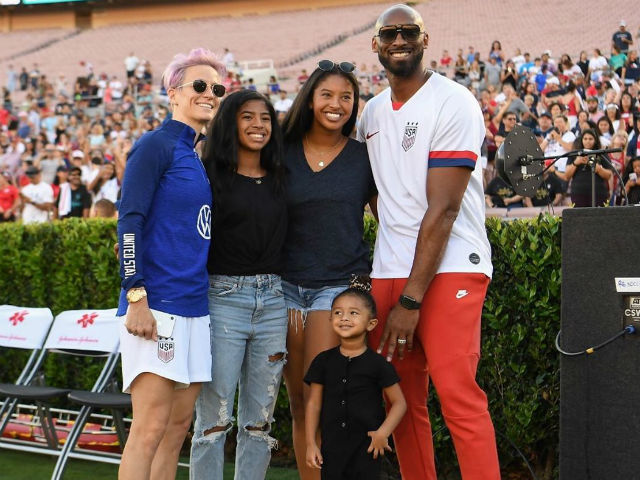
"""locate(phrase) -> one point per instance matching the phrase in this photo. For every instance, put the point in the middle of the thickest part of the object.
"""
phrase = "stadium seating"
(290, 35)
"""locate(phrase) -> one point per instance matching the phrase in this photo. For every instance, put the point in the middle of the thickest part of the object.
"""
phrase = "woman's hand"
(140, 321)
(580, 161)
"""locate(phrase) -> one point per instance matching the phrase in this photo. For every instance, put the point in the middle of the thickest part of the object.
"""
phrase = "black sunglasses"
(200, 86)
(410, 33)
(328, 65)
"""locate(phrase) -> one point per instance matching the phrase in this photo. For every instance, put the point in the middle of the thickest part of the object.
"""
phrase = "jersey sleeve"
(459, 133)
(147, 162)
(315, 374)
(360, 127)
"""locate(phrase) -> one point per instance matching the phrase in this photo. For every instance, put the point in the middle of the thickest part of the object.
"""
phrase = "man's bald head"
(399, 14)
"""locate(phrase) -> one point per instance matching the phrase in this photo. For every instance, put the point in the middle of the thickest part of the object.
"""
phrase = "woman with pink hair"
(164, 229)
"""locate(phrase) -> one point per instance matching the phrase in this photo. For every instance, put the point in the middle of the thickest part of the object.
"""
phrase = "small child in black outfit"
(347, 383)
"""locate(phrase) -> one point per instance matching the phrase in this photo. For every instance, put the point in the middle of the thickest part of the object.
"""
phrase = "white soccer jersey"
(440, 126)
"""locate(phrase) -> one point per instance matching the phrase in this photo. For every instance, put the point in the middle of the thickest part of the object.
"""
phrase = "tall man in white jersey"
(432, 260)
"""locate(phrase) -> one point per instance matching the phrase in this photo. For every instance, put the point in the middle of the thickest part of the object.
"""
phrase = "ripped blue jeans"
(248, 341)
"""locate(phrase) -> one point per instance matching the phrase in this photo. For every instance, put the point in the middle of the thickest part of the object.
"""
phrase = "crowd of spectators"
(63, 147)
(559, 99)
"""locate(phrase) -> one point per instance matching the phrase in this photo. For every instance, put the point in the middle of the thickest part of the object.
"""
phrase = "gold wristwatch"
(136, 294)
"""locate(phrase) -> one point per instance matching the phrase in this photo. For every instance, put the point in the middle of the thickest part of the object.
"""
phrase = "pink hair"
(174, 73)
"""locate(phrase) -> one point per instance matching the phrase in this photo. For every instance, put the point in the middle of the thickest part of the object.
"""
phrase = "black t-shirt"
(80, 199)
(502, 130)
(325, 244)
(584, 66)
(581, 181)
(547, 191)
(498, 189)
(634, 195)
(249, 224)
(352, 393)
(617, 40)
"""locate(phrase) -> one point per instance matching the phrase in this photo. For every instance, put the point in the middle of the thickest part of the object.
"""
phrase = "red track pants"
(446, 350)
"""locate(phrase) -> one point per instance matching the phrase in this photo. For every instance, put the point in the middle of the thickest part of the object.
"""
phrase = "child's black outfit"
(351, 406)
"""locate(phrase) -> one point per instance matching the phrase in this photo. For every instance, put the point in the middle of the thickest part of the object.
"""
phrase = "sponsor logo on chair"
(18, 317)
(87, 319)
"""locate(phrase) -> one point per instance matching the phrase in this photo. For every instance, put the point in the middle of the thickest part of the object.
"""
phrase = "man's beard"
(404, 69)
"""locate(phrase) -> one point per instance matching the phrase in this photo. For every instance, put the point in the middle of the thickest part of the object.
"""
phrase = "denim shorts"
(310, 299)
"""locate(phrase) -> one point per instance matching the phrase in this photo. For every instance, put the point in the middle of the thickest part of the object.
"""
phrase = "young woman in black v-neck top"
(329, 183)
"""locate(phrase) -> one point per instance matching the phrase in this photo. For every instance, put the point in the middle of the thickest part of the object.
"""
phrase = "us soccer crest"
(166, 349)
(410, 132)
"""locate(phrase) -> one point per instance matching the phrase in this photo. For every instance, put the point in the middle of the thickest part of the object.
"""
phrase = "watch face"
(135, 295)
(409, 302)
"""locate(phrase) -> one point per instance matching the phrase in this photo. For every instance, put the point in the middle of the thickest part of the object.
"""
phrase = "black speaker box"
(599, 393)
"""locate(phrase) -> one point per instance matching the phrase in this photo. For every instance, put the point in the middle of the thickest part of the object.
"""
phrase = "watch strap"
(409, 303)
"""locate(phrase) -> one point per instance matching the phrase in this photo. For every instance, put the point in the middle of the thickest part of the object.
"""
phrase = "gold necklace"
(321, 163)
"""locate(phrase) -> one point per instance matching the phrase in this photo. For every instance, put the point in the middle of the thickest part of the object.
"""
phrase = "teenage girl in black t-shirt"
(246, 304)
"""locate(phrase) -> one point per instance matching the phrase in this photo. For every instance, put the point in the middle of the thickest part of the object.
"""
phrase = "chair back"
(89, 330)
(24, 327)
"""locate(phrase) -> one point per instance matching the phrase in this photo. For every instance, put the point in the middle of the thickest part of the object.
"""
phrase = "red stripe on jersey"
(468, 154)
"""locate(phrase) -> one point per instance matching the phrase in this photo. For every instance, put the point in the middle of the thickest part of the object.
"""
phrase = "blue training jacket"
(164, 224)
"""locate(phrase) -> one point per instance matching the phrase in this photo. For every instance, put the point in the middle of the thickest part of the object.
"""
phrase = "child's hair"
(363, 295)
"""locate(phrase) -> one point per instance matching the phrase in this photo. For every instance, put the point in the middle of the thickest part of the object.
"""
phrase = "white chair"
(22, 328)
(86, 333)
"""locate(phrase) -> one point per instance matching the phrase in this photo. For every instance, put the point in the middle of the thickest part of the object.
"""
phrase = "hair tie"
(360, 282)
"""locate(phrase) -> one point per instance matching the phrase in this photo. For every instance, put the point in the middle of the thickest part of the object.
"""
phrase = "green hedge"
(70, 265)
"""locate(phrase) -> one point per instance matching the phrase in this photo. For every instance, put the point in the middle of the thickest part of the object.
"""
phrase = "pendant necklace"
(321, 163)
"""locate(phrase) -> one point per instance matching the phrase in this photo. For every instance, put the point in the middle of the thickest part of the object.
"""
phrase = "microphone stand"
(615, 170)
(592, 161)
(592, 156)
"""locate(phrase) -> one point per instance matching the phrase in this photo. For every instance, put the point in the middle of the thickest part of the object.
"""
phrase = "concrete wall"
(12, 19)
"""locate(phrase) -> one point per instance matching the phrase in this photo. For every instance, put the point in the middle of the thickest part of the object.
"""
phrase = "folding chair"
(91, 333)
(116, 402)
(22, 328)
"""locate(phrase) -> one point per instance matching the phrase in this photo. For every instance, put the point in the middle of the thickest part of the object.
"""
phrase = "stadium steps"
(40, 46)
(318, 49)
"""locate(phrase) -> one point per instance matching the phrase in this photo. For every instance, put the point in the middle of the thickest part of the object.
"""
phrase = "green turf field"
(32, 466)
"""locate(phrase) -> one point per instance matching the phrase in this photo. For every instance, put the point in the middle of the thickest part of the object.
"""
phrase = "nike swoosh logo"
(462, 293)
(369, 135)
